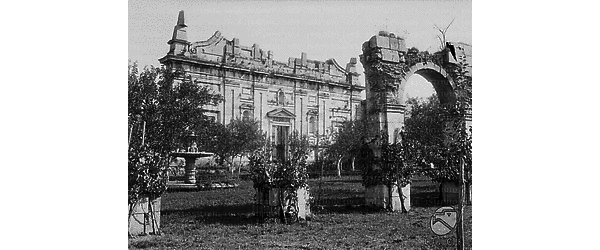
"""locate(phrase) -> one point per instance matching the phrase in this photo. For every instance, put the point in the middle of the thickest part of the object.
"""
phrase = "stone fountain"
(190, 154)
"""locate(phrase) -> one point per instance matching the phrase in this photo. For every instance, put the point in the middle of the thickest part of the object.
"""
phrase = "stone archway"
(388, 65)
(436, 75)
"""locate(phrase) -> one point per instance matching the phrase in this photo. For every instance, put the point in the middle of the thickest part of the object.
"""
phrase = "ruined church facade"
(308, 96)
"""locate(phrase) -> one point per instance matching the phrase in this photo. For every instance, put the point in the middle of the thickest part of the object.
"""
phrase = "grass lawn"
(222, 219)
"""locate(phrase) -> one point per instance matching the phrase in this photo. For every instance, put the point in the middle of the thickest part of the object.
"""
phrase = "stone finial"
(179, 32)
(236, 46)
(303, 59)
(351, 66)
(256, 51)
(181, 19)
(178, 41)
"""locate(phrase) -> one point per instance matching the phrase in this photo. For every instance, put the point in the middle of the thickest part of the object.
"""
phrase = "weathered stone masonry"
(388, 65)
(301, 94)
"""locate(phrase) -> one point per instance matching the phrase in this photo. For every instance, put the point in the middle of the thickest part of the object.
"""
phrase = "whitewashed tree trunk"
(339, 167)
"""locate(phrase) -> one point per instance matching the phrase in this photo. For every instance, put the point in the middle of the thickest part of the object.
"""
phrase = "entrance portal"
(280, 139)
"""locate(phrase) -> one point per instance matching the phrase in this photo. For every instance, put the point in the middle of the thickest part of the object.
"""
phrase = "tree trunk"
(441, 191)
(152, 219)
(320, 182)
(131, 206)
(281, 206)
(390, 205)
(353, 159)
(240, 166)
(339, 167)
(402, 207)
(155, 230)
(467, 193)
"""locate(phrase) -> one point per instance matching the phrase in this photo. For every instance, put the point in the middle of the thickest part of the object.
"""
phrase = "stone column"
(190, 170)
(383, 61)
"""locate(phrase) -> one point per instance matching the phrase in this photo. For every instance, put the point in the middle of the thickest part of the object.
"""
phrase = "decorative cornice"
(199, 62)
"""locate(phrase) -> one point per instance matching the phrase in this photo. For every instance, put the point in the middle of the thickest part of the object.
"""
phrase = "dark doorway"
(281, 140)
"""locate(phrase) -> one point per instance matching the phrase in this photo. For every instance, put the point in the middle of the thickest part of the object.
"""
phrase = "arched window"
(312, 125)
(246, 115)
(281, 98)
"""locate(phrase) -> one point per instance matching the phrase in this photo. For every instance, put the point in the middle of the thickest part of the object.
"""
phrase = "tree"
(425, 130)
(389, 169)
(248, 135)
(285, 176)
(442, 38)
(236, 139)
(169, 104)
(346, 142)
(162, 105)
(424, 122)
(438, 134)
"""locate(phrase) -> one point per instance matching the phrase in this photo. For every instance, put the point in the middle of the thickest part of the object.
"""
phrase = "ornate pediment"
(281, 113)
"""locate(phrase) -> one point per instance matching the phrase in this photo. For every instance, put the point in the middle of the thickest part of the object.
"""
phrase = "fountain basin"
(190, 163)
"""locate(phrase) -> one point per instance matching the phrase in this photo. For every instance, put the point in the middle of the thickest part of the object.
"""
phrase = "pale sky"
(322, 29)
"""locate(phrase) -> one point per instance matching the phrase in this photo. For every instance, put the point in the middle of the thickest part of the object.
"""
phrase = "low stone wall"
(378, 196)
(140, 222)
(268, 202)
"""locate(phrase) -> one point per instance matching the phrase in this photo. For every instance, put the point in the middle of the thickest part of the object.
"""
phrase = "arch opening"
(442, 87)
(440, 84)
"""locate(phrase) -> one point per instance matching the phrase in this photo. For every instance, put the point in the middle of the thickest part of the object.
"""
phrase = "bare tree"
(442, 38)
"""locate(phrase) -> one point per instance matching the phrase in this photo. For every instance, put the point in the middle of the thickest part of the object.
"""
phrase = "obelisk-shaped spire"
(179, 40)
(179, 32)
(181, 19)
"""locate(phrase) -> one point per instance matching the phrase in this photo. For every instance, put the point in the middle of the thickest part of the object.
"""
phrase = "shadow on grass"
(335, 181)
(219, 214)
(245, 214)
(428, 199)
(346, 209)
(341, 181)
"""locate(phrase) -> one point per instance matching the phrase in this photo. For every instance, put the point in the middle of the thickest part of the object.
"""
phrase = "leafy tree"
(346, 142)
(236, 139)
(168, 103)
(286, 176)
(216, 138)
(162, 106)
(424, 130)
(389, 169)
(248, 135)
(437, 134)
